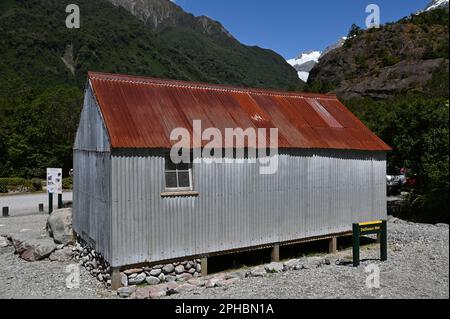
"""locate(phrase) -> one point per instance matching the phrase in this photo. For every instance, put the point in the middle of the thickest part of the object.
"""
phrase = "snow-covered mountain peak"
(305, 61)
(305, 57)
(436, 4)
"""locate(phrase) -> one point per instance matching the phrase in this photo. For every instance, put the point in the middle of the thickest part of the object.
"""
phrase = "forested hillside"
(43, 68)
(396, 80)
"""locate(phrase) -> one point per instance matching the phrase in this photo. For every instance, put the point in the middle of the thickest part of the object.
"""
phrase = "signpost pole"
(383, 240)
(60, 201)
(50, 203)
(356, 239)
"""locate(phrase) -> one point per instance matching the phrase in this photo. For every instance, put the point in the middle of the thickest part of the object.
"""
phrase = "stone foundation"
(93, 262)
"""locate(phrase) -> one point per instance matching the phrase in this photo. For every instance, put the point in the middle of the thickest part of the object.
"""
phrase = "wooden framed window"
(178, 176)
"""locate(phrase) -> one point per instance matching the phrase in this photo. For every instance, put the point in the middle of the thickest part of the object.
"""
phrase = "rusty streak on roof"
(141, 112)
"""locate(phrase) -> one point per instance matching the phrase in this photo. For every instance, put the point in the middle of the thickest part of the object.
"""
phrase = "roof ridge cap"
(211, 87)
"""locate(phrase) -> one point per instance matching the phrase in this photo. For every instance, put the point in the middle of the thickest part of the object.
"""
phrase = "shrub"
(18, 184)
(67, 183)
(36, 184)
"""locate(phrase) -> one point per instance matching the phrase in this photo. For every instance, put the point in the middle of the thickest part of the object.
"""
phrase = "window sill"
(180, 194)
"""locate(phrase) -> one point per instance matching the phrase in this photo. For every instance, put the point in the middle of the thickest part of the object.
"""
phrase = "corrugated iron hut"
(133, 205)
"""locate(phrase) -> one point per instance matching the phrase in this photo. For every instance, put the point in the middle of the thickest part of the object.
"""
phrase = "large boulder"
(59, 226)
(31, 246)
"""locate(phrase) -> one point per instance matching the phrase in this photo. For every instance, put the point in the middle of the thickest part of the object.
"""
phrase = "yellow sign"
(370, 227)
(371, 223)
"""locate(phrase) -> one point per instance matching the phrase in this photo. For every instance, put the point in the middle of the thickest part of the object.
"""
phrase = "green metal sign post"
(361, 229)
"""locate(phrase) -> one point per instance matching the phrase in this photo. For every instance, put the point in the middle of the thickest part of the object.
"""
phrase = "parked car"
(396, 182)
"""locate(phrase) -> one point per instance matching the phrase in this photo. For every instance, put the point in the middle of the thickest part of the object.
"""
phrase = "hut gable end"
(91, 134)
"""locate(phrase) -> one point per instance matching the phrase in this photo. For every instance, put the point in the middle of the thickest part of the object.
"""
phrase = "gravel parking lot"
(418, 267)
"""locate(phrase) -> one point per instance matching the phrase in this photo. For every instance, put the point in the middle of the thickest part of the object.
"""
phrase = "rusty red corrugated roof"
(141, 112)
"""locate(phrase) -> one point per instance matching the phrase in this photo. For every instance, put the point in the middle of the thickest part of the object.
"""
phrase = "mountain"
(164, 13)
(305, 61)
(36, 49)
(339, 43)
(43, 66)
(379, 63)
(436, 4)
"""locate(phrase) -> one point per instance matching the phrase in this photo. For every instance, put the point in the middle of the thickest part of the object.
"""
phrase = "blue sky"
(292, 26)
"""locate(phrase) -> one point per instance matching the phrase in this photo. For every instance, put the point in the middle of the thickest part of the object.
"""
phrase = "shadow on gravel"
(259, 257)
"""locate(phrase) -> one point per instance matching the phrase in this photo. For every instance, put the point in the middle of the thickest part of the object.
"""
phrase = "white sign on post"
(54, 180)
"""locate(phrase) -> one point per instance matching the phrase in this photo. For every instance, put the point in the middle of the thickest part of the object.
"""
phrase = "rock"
(61, 255)
(124, 279)
(198, 268)
(274, 267)
(31, 246)
(197, 282)
(155, 272)
(188, 265)
(184, 277)
(313, 262)
(291, 264)
(257, 272)
(184, 288)
(38, 249)
(157, 292)
(440, 225)
(170, 287)
(18, 239)
(100, 277)
(237, 274)
(179, 269)
(191, 271)
(4, 242)
(59, 225)
(152, 280)
(137, 280)
(344, 261)
(212, 283)
(170, 278)
(162, 277)
(126, 292)
(167, 269)
(133, 271)
(227, 283)
(142, 293)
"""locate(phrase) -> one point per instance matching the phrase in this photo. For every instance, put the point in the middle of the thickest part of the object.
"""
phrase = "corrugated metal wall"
(92, 179)
(91, 133)
(314, 193)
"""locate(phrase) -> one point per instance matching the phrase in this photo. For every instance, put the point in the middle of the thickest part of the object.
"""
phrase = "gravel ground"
(42, 279)
(418, 267)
